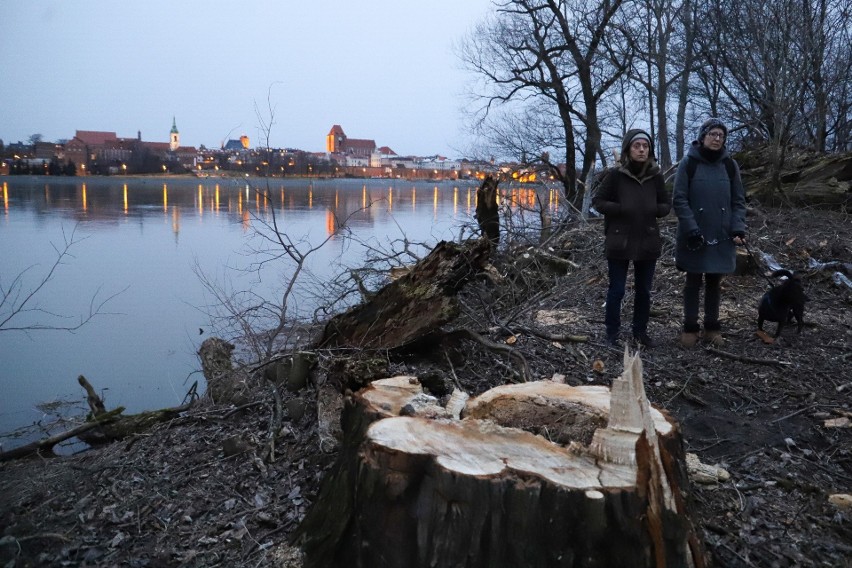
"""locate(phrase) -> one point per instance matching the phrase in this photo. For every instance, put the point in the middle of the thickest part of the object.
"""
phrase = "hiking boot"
(612, 339)
(689, 338)
(714, 338)
(643, 339)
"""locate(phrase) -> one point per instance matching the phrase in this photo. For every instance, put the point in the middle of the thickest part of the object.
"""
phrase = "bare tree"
(21, 307)
(687, 54)
(562, 53)
(757, 57)
(659, 34)
(826, 36)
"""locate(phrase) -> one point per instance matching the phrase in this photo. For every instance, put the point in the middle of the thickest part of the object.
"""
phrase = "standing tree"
(759, 47)
(827, 104)
(661, 40)
(562, 54)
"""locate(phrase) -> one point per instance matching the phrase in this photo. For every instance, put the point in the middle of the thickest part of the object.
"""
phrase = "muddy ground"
(197, 492)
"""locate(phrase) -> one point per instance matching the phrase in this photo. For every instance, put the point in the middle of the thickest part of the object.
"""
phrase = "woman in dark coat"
(709, 201)
(632, 198)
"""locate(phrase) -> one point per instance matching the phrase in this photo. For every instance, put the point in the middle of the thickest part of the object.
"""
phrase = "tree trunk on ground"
(806, 178)
(412, 306)
(415, 487)
(111, 426)
(44, 448)
(101, 426)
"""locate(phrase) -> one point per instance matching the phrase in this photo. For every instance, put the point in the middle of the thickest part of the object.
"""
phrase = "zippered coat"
(631, 207)
(714, 204)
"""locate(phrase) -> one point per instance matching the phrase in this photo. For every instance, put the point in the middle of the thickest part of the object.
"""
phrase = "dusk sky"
(382, 69)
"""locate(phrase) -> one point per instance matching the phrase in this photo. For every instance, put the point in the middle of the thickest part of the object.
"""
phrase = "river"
(139, 245)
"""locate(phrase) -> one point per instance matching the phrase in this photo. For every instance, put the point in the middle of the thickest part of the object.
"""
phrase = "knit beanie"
(709, 125)
(631, 136)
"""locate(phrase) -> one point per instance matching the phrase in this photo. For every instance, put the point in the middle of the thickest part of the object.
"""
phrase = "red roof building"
(336, 142)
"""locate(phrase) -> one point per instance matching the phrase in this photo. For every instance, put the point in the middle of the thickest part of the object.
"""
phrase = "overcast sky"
(382, 69)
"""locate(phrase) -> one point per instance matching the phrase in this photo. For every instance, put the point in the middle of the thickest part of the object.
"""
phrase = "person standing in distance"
(632, 197)
(709, 201)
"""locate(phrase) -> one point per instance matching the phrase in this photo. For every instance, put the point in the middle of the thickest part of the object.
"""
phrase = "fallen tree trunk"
(416, 488)
(45, 446)
(805, 177)
(411, 307)
(101, 426)
(122, 426)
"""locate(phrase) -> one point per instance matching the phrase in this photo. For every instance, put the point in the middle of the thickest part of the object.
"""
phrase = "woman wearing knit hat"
(632, 198)
(709, 201)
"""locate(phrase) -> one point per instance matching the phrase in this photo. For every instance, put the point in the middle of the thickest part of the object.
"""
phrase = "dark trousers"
(712, 299)
(643, 276)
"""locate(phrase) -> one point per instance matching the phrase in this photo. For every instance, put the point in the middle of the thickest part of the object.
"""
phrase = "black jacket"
(631, 207)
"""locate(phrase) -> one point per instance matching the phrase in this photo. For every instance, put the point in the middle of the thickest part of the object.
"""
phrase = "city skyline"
(388, 73)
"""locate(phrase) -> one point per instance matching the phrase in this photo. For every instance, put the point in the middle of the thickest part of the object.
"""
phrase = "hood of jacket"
(625, 143)
(695, 152)
(651, 169)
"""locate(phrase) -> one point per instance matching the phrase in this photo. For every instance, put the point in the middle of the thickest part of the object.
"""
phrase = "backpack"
(692, 165)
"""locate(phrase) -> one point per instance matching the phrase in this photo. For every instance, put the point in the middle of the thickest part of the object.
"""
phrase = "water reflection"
(147, 234)
(106, 199)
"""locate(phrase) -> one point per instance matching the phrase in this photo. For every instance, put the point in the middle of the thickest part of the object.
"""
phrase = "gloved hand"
(694, 240)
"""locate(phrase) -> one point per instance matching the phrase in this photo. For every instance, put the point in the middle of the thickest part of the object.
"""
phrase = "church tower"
(335, 139)
(174, 137)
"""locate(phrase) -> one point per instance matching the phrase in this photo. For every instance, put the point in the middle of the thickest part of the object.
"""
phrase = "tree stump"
(225, 385)
(411, 307)
(487, 210)
(424, 489)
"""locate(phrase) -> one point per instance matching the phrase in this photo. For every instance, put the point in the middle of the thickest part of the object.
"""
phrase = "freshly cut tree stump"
(416, 491)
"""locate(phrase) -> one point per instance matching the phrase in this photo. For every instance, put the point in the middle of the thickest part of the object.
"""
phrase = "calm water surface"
(138, 240)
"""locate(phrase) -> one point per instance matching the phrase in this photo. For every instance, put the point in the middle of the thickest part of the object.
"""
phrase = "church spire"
(174, 136)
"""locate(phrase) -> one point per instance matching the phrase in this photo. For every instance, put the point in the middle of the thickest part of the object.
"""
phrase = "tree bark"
(414, 305)
(44, 447)
(424, 489)
(487, 211)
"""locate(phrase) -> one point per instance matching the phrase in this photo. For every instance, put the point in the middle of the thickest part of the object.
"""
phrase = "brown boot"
(689, 338)
(714, 338)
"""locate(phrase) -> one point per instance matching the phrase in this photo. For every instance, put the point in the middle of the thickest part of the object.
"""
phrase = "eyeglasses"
(717, 135)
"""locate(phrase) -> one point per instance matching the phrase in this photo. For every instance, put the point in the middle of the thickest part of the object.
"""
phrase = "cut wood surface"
(486, 491)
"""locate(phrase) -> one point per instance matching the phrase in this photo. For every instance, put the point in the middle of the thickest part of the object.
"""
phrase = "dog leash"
(754, 259)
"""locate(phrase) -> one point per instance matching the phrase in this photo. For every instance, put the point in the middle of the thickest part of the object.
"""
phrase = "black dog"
(783, 302)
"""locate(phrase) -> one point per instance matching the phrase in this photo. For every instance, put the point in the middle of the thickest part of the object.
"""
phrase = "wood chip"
(841, 501)
(838, 423)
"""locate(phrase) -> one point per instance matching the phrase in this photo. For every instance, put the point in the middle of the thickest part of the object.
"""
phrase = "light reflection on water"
(140, 237)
